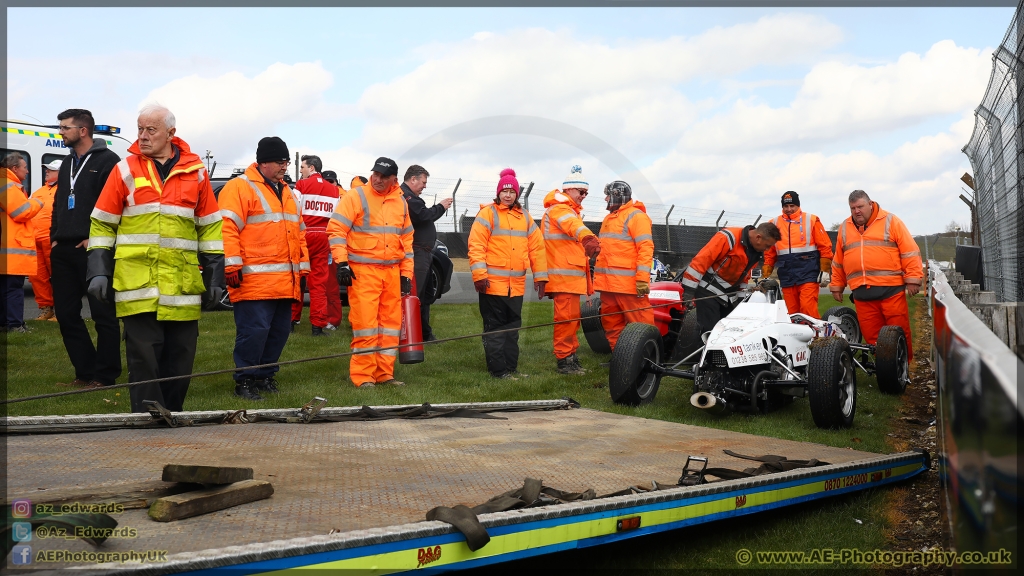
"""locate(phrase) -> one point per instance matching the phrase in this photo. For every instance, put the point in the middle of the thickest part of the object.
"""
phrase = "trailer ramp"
(353, 495)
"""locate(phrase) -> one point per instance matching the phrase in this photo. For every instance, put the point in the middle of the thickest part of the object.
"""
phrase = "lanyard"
(73, 176)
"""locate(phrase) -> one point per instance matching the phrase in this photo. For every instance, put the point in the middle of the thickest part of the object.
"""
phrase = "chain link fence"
(996, 152)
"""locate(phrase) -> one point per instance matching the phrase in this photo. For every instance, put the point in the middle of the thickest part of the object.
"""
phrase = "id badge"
(71, 202)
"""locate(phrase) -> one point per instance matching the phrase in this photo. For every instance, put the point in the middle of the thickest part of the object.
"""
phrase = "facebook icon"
(21, 554)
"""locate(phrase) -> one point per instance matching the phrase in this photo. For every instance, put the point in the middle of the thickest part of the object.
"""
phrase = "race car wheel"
(832, 384)
(628, 379)
(848, 322)
(593, 331)
(892, 366)
(689, 337)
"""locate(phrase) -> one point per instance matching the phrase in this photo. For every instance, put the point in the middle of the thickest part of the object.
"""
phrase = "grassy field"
(455, 372)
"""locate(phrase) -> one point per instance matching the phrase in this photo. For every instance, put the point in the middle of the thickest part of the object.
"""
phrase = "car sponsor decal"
(664, 295)
(745, 354)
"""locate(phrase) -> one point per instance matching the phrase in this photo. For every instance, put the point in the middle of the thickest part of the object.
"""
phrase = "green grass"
(456, 372)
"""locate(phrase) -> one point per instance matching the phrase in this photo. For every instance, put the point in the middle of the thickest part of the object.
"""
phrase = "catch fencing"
(996, 149)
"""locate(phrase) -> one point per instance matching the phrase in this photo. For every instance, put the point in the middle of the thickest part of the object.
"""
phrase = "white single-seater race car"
(760, 357)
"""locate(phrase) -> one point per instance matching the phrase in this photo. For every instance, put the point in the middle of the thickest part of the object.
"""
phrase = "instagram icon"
(21, 509)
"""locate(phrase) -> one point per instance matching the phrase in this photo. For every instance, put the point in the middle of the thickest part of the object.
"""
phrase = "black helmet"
(618, 193)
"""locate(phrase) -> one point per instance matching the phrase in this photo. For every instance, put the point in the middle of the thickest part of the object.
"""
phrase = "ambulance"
(41, 144)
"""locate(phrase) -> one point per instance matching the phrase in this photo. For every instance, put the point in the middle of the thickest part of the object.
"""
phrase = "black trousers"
(102, 362)
(159, 349)
(501, 350)
(710, 311)
(422, 260)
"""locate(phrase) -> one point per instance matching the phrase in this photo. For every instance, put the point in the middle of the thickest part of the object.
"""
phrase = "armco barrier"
(979, 421)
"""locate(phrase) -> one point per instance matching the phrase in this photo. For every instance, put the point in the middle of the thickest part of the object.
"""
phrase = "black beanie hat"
(271, 149)
(790, 198)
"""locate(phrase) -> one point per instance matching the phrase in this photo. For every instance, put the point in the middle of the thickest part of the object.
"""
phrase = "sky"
(701, 109)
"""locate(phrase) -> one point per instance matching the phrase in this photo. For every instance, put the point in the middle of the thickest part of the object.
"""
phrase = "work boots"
(577, 364)
(46, 313)
(568, 365)
(267, 385)
(318, 331)
(246, 389)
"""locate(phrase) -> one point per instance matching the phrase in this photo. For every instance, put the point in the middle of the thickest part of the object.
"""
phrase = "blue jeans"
(14, 301)
(261, 331)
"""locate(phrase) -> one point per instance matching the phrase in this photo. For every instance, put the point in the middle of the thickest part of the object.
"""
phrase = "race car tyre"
(628, 380)
(832, 384)
(892, 368)
(689, 337)
(848, 322)
(593, 331)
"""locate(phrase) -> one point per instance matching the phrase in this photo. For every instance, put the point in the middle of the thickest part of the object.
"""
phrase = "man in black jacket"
(423, 237)
(82, 176)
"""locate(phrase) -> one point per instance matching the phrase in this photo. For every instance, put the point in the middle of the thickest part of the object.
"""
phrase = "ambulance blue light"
(105, 129)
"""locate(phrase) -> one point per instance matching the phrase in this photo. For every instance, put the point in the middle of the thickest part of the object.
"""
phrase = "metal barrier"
(979, 421)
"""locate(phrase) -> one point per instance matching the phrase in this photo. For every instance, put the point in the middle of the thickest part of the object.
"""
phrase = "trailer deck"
(354, 494)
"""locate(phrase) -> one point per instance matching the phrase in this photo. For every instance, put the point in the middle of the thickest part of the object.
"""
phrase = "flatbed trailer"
(353, 495)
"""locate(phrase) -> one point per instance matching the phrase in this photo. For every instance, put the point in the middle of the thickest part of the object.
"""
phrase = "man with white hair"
(158, 220)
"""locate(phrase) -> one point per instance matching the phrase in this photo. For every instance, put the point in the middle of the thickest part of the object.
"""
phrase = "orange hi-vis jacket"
(501, 243)
(263, 236)
(882, 254)
(627, 249)
(722, 265)
(18, 246)
(372, 228)
(562, 228)
(157, 228)
(41, 221)
(804, 242)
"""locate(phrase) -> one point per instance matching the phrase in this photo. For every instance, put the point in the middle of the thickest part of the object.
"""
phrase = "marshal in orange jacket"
(263, 236)
(501, 243)
(883, 253)
(563, 230)
(804, 243)
(19, 243)
(722, 265)
(627, 249)
(372, 228)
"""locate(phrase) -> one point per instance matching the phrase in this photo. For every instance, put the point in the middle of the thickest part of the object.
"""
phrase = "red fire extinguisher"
(412, 331)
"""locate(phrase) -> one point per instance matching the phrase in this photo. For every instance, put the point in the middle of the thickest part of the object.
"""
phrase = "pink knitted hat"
(508, 180)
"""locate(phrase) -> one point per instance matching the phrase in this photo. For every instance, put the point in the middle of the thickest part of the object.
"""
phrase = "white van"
(42, 144)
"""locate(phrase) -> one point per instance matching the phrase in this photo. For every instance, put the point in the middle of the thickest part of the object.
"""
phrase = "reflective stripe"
(478, 266)
(101, 241)
(861, 243)
(689, 283)
(8, 186)
(910, 254)
(510, 273)
(566, 272)
(843, 231)
(391, 352)
(540, 276)
(105, 216)
(138, 238)
(179, 243)
(233, 261)
(18, 252)
(365, 260)
(483, 222)
(265, 217)
(292, 217)
(338, 241)
(303, 266)
(615, 236)
(180, 300)
(643, 237)
(342, 219)
(798, 250)
(692, 272)
(379, 229)
(137, 209)
(263, 200)
(859, 273)
(837, 265)
(643, 269)
(888, 223)
(140, 294)
(730, 237)
(364, 333)
(23, 208)
(210, 245)
(408, 230)
(233, 217)
(129, 181)
(366, 207)
(564, 218)
(410, 255)
(208, 219)
(614, 272)
(264, 268)
(177, 211)
(507, 232)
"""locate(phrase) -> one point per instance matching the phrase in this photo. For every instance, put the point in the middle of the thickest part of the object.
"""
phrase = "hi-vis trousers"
(627, 304)
(567, 307)
(802, 298)
(375, 312)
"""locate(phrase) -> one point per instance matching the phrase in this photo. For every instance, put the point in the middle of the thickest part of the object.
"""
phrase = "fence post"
(526, 196)
(668, 231)
(720, 219)
(758, 220)
(455, 212)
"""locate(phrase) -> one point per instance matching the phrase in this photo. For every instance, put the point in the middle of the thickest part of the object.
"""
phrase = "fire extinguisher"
(412, 331)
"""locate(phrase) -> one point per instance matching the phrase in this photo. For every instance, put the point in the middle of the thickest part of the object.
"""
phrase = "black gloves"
(99, 288)
(406, 285)
(213, 279)
(98, 271)
(345, 275)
